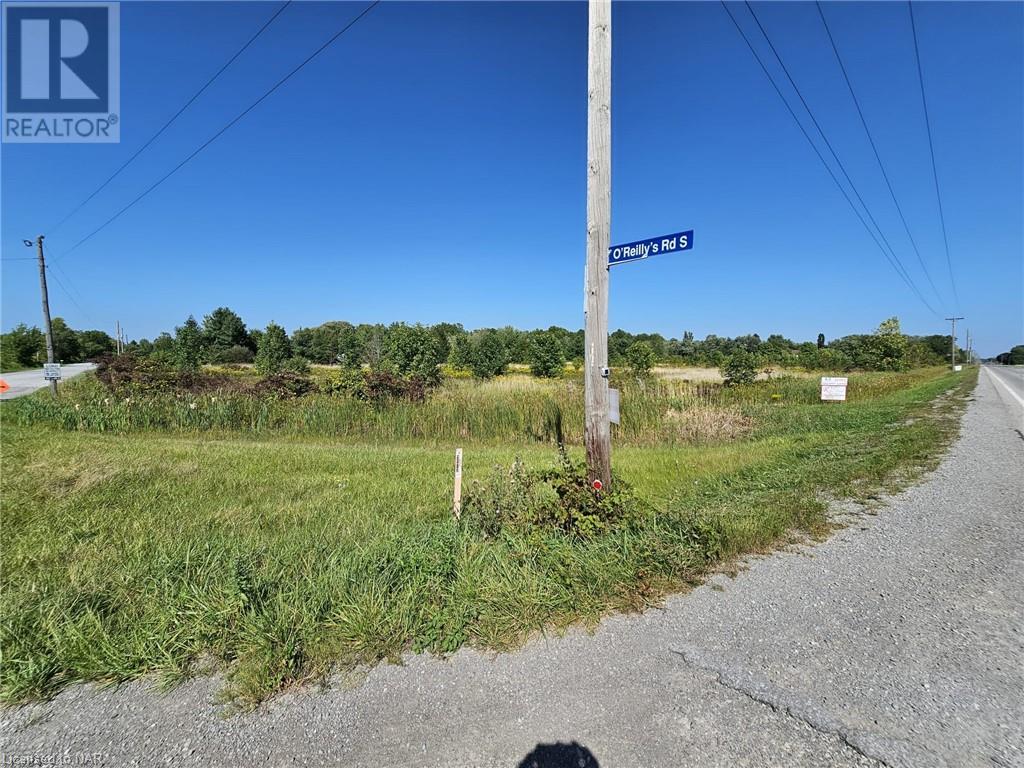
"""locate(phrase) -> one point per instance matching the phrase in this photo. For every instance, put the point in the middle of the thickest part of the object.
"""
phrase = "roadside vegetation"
(170, 516)
(223, 338)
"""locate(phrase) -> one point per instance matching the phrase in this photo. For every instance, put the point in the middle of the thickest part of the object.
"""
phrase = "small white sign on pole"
(833, 388)
(51, 371)
(958, 367)
(613, 406)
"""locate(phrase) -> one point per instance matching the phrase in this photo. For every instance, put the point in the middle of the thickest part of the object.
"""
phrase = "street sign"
(51, 371)
(833, 388)
(641, 249)
(613, 406)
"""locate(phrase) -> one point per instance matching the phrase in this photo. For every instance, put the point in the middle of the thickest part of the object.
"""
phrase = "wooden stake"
(457, 505)
(597, 430)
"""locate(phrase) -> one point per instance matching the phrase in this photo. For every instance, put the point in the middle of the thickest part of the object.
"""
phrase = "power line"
(174, 117)
(218, 134)
(828, 168)
(931, 149)
(67, 293)
(832, 150)
(874, 148)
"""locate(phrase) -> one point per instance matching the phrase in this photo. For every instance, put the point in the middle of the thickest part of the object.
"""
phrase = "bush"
(129, 374)
(283, 386)
(741, 368)
(297, 365)
(273, 350)
(546, 360)
(560, 498)
(188, 345)
(488, 357)
(640, 358)
(411, 351)
(381, 386)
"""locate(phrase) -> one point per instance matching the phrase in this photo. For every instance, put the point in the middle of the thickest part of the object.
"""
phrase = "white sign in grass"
(833, 388)
(613, 406)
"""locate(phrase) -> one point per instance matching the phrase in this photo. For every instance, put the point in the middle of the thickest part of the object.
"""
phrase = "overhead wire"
(874, 148)
(831, 149)
(220, 132)
(902, 273)
(931, 149)
(173, 117)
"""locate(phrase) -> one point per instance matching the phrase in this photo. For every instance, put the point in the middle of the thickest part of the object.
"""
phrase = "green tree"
(488, 355)
(188, 345)
(546, 357)
(460, 351)
(273, 350)
(1016, 355)
(888, 347)
(22, 347)
(640, 358)
(223, 329)
(164, 348)
(741, 368)
(411, 350)
(92, 344)
(65, 342)
(821, 341)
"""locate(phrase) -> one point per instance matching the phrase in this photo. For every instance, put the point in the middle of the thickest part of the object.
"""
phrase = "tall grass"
(509, 409)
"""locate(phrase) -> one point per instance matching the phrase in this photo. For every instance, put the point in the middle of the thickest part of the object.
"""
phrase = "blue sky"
(431, 166)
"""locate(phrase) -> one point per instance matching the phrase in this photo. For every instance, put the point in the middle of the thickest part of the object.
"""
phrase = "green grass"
(281, 557)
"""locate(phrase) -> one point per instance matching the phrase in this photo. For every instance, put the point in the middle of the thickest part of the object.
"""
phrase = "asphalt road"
(1010, 383)
(898, 641)
(27, 382)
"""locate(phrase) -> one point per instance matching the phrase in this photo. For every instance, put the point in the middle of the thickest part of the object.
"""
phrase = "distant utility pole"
(46, 307)
(970, 357)
(952, 340)
(117, 341)
(597, 429)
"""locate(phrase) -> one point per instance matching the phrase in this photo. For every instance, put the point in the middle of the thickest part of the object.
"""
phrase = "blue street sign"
(641, 249)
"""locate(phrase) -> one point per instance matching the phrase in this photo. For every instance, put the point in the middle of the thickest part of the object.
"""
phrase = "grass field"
(321, 536)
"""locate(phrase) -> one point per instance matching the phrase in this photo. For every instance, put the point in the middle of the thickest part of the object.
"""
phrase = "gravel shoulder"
(898, 641)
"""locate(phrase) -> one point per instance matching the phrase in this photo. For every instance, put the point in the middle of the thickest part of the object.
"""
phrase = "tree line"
(418, 350)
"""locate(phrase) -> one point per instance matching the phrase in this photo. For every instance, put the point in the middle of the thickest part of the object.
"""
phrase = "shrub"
(741, 368)
(273, 350)
(411, 350)
(283, 386)
(188, 345)
(381, 386)
(560, 498)
(640, 358)
(297, 365)
(138, 375)
(546, 360)
(488, 357)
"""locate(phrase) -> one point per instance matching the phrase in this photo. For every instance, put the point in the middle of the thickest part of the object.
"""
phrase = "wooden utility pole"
(952, 341)
(46, 309)
(597, 430)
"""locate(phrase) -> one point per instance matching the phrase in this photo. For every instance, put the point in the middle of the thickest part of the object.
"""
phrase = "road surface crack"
(892, 753)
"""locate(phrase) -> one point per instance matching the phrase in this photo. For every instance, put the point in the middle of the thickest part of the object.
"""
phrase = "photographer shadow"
(559, 755)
